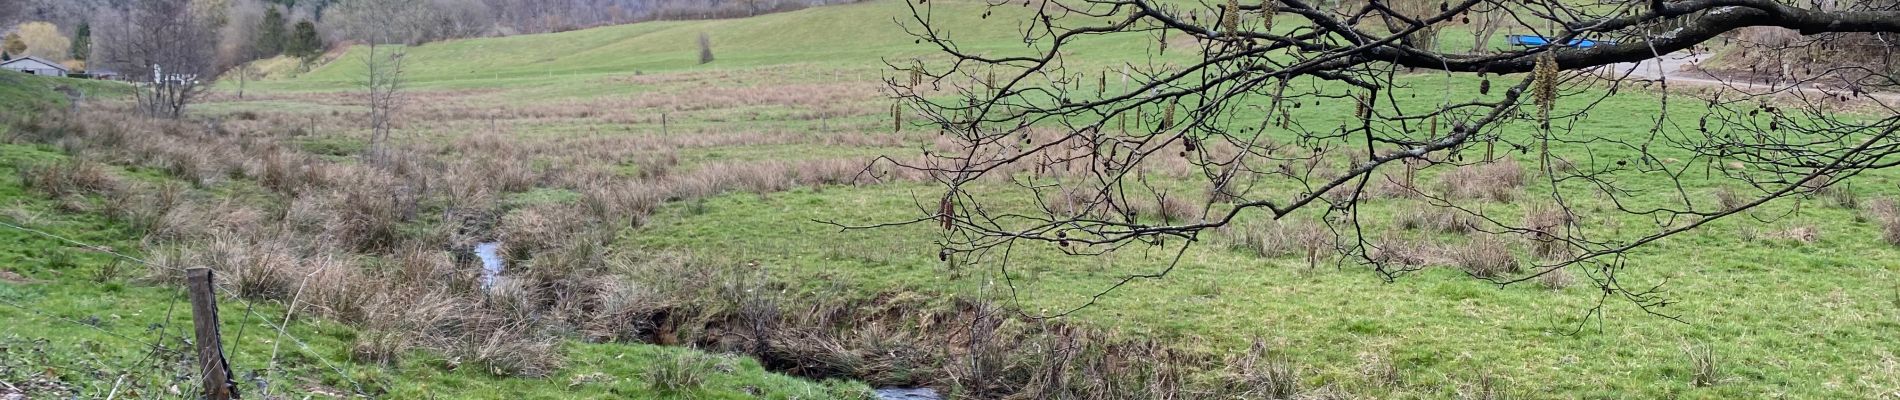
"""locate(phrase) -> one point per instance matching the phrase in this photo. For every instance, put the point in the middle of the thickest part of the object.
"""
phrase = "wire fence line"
(156, 346)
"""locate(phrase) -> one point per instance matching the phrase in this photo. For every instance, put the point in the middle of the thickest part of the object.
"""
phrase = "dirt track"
(1679, 67)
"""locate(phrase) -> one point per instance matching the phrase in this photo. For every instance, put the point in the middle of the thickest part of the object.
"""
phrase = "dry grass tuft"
(1406, 252)
(1496, 181)
(1436, 219)
(1556, 280)
(1172, 210)
(1547, 225)
(1886, 213)
(1277, 239)
(1263, 374)
(682, 373)
(1728, 199)
(1703, 370)
(72, 177)
(1485, 257)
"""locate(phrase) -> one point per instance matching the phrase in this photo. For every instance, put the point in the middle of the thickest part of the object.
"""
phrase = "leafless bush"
(1485, 257)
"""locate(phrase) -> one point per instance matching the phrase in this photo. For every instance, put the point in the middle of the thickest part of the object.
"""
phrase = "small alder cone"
(1544, 86)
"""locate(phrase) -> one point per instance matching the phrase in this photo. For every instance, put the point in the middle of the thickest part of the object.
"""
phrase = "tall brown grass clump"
(1418, 216)
(1407, 252)
(1276, 239)
(1546, 225)
(1263, 374)
(1495, 181)
(1173, 210)
(1485, 257)
(72, 177)
(1886, 213)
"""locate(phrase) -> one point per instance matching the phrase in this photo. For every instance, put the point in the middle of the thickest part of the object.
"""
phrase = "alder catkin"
(1544, 76)
(1230, 19)
(917, 74)
(1167, 117)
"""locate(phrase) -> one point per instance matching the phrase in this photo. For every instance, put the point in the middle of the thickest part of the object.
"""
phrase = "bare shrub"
(1495, 181)
(1485, 257)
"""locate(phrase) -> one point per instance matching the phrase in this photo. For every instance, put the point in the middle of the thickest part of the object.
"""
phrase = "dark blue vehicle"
(1534, 41)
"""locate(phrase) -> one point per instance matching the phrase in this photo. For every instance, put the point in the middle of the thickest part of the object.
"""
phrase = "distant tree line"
(237, 32)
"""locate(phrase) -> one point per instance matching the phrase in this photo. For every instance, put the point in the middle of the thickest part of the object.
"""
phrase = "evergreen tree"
(304, 42)
(271, 38)
(82, 42)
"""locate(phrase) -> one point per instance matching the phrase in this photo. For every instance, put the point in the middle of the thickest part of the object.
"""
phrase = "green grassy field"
(1783, 318)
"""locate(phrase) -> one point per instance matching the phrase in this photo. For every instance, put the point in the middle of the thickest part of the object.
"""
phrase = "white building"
(36, 66)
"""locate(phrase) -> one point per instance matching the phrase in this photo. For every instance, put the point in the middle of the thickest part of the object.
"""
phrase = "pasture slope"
(751, 149)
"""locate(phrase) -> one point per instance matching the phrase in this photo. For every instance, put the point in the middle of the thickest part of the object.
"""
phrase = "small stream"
(489, 252)
(491, 263)
(908, 394)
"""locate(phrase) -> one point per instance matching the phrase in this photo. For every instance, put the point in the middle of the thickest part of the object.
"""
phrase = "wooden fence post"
(204, 320)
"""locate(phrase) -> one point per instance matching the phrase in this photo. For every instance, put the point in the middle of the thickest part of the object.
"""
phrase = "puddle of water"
(907, 394)
(491, 262)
